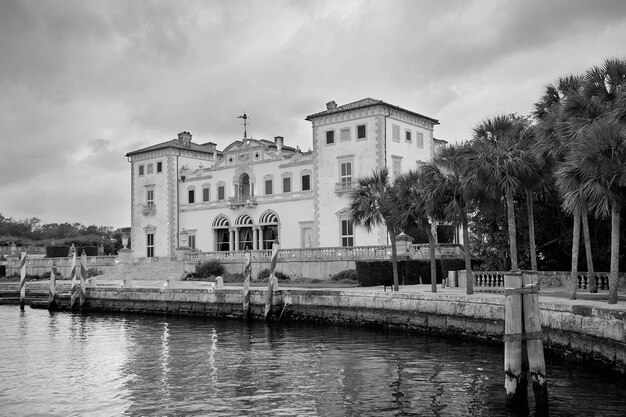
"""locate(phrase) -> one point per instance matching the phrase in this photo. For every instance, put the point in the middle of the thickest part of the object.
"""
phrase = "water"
(68, 364)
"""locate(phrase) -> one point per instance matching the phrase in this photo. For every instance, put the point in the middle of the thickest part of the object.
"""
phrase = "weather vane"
(244, 116)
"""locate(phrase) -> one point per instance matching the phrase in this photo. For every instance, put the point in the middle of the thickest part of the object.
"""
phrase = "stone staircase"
(151, 269)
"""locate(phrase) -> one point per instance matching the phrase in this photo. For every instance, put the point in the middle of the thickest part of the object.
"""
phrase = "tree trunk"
(510, 214)
(469, 276)
(591, 273)
(531, 229)
(615, 223)
(575, 248)
(433, 260)
(394, 258)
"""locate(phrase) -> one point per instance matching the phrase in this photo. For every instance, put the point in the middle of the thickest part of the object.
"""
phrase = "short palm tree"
(412, 205)
(371, 204)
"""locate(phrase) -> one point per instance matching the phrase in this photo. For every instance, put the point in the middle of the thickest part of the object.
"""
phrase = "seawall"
(581, 329)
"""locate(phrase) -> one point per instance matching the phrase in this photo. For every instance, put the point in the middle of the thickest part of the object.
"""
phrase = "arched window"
(246, 236)
(268, 223)
(221, 230)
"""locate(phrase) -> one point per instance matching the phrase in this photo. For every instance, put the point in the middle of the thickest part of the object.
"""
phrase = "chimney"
(279, 140)
(185, 138)
(331, 105)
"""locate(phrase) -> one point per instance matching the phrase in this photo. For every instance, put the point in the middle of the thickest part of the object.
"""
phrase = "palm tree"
(413, 206)
(447, 178)
(560, 113)
(500, 165)
(371, 205)
(597, 119)
(600, 159)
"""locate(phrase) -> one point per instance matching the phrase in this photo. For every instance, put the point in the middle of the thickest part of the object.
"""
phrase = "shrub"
(265, 273)
(348, 274)
(208, 269)
(238, 277)
(381, 272)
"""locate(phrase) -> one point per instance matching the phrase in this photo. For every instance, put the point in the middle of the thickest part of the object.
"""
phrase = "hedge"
(63, 251)
(409, 272)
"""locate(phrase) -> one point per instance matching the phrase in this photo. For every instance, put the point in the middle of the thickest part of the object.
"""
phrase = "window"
(419, 139)
(159, 167)
(150, 197)
(344, 134)
(330, 137)
(141, 167)
(191, 241)
(150, 168)
(361, 132)
(395, 133)
(268, 187)
(205, 193)
(346, 174)
(396, 166)
(306, 182)
(191, 194)
(407, 135)
(150, 245)
(347, 233)
(286, 184)
(221, 191)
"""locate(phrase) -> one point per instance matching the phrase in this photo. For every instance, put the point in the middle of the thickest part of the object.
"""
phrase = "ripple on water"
(65, 364)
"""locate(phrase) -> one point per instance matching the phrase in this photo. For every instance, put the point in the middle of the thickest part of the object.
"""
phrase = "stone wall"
(579, 331)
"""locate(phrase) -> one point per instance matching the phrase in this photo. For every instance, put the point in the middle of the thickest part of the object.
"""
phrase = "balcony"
(148, 209)
(242, 201)
(343, 187)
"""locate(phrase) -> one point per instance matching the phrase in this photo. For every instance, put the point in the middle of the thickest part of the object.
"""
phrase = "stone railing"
(495, 279)
(39, 266)
(420, 251)
(17, 250)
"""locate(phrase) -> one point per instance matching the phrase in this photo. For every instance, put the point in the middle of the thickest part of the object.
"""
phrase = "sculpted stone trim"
(172, 184)
(316, 191)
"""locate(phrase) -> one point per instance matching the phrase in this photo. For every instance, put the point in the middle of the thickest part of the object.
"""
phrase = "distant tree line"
(31, 232)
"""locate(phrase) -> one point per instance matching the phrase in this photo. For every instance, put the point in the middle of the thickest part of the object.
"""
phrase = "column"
(260, 238)
(255, 238)
(231, 239)
(236, 239)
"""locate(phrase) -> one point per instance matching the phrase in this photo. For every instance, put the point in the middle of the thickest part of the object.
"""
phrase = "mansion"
(256, 191)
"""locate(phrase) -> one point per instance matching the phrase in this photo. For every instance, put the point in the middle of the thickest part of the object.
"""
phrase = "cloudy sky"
(84, 82)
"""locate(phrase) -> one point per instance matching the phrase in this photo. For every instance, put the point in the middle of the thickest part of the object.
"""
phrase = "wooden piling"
(247, 274)
(514, 379)
(73, 285)
(52, 304)
(23, 281)
(270, 281)
(534, 342)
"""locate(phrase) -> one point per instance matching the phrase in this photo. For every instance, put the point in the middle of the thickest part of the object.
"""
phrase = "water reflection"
(60, 364)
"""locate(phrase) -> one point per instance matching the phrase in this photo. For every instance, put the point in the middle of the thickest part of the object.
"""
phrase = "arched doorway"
(245, 189)
(221, 230)
(268, 223)
(244, 232)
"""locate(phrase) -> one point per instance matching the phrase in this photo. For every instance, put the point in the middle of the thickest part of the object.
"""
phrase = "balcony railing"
(148, 209)
(242, 201)
(343, 187)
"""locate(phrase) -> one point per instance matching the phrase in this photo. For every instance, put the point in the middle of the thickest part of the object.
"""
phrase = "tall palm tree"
(500, 166)
(371, 204)
(599, 148)
(600, 160)
(559, 113)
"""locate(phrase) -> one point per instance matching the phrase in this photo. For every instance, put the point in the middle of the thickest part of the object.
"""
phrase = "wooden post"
(270, 281)
(534, 342)
(73, 286)
(23, 281)
(81, 280)
(515, 381)
(247, 274)
(52, 304)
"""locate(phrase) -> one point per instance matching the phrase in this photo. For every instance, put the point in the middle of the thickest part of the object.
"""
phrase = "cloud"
(85, 82)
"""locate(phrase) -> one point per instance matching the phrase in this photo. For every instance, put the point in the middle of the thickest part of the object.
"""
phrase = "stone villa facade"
(256, 191)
